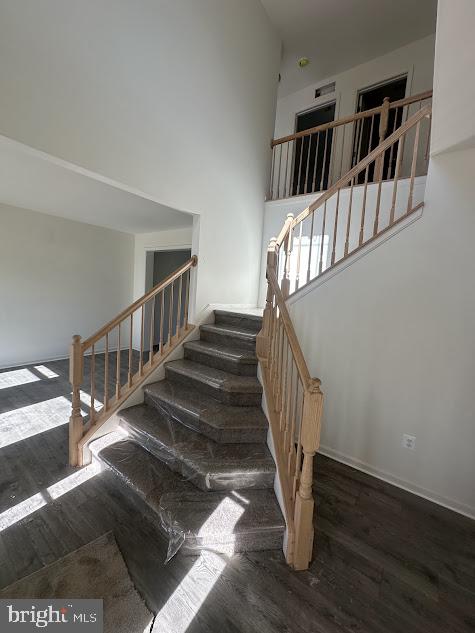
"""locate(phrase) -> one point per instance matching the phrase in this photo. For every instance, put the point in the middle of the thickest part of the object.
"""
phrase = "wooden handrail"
(292, 336)
(423, 96)
(140, 302)
(156, 343)
(357, 169)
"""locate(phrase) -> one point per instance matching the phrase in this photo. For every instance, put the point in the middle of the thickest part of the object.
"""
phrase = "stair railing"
(119, 357)
(357, 209)
(315, 159)
(294, 405)
(294, 399)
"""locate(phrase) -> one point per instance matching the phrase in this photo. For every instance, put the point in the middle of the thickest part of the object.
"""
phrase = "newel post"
(383, 130)
(310, 438)
(263, 338)
(76, 419)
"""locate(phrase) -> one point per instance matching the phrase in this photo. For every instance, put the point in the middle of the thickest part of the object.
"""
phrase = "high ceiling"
(338, 34)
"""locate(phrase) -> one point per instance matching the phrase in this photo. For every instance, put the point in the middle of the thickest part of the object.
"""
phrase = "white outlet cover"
(409, 441)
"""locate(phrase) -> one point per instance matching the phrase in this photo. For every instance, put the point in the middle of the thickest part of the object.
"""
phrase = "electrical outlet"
(409, 441)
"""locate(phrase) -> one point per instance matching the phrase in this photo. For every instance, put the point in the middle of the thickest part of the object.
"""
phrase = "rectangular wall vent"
(325, 90)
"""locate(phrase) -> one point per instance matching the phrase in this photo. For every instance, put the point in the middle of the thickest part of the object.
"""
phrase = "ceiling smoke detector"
(303, 61)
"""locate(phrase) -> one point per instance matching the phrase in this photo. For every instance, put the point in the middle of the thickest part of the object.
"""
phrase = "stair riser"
(271, 540)
(204, 480)
(221, 362)
(229, 340)
(255, 325)
(226, 397)
(222, 436)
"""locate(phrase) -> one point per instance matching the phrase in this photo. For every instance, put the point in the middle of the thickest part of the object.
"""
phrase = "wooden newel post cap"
(76, 339)
(314, 385)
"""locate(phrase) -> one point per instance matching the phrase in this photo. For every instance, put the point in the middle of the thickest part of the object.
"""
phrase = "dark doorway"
(312, 153)
(160, 264)
(366, 137)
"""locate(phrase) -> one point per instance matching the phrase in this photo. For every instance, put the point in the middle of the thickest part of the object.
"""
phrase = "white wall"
(57, 278)
(454, 123)
(175, 99)
(416, 59)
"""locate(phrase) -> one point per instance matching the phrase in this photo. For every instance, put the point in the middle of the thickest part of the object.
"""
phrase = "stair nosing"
(219, 386)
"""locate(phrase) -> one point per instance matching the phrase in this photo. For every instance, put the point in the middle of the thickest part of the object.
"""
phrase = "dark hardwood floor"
(385, 561)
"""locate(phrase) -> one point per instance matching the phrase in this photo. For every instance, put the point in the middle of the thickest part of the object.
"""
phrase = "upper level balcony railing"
(313, 160)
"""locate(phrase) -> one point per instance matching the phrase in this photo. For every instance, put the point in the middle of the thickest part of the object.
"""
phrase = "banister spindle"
(170, 315)
(152, 332)
(413, 167)
(162, 319)
(310, 247)
(396, 178)
(76, 365)
(378, 196)
(383, 128)
(106, 373)
(322, 239)
(300, 167)
(363, 206)
(141, 339)
(348, 222)
(299, 254)
(272, 168)
(117, 372)
(129, 375)
(308, 161)
(178, 312)
(335, 227)
(280, 168)
(322, 179)
(316, 162)
(92, 410)
(187, 299)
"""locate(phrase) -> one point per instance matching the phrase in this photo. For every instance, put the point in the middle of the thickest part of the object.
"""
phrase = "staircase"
(196, 450)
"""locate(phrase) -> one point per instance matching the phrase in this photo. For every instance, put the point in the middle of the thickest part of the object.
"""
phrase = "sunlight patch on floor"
(46, 371)
(21, 510)
(185, 602)
(32, 504)
(24, 422)
(67, 484)
(17, 377)
(187, 599)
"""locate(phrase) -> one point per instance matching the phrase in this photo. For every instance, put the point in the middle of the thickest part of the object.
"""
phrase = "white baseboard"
(451, 504)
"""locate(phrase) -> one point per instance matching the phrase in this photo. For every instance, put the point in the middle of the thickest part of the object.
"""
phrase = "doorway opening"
(366, 135)
(312, 153)
(158, 266)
